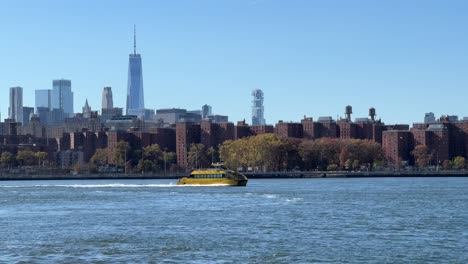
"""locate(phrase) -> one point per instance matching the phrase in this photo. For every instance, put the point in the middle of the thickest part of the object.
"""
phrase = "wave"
(270, 196)
(111, 185)
(203, 185)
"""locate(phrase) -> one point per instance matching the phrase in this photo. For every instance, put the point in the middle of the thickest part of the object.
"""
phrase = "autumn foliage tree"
(459, 162)
(7, 159)
(421, 156)
(271, 153)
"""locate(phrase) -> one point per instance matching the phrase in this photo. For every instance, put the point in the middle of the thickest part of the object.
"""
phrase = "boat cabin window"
(209, 176)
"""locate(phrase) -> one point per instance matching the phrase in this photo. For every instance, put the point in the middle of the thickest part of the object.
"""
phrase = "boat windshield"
(219, 166)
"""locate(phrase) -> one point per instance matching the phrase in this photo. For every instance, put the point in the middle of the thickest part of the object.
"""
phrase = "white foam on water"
(293, 200)
(112, 185)
(203, 185)
(270, 196)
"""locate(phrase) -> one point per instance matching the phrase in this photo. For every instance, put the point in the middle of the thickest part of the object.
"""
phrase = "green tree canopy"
(120, 151)
(7, 159)
(26, 157)
(41, 157)
(459, 162)
(198, 156)
(100, 157)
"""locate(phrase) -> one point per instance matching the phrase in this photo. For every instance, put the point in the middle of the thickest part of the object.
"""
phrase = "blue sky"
(309, 57)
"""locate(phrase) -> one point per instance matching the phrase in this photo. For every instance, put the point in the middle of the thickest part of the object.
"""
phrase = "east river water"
(372, 220)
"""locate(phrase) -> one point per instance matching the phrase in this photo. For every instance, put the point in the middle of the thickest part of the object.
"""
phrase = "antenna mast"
(134, 40)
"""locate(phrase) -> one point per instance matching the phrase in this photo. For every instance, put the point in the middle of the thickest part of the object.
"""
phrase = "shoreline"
(260, 175)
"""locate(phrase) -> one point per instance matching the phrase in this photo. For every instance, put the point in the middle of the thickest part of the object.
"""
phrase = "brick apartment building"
(186, 134)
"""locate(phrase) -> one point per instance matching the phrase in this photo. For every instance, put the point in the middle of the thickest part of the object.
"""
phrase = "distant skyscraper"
(107, 100)
(15, 111)
(135, 97)
(429, 118)
(62, 96)
(28, 112)
(257, 108)
(206, 111)
(43, 98)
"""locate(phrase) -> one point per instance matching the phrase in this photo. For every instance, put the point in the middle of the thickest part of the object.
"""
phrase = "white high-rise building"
(257, 108)
(107, 100)
(15, 111)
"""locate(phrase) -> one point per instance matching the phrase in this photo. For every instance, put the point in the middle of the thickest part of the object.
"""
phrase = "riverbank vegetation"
(261, 153)
(268, 152)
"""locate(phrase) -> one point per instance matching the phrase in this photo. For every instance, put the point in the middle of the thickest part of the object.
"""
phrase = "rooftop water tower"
(348, 112)
(372, 113)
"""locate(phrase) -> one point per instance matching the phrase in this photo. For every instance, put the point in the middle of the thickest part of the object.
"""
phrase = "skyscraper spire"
(134, 39)
(135, 97)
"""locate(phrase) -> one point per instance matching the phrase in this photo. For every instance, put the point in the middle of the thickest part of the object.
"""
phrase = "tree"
(169, 159)
(41, 156)
(459, 162)
(145, 166)
(120, 152)
(356, 165)
(332, 167)
(198, 156)
(421, 156)
(153, 153)
(309, 152)
(213, 154)
(26, 158)
(153, 159)
(447, 164)
(7, 159)
(100, 157)
(348, 164)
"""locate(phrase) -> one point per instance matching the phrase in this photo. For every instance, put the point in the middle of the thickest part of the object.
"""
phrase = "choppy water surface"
(417, 220)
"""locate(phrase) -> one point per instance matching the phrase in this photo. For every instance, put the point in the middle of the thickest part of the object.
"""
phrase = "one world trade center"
(135, 97)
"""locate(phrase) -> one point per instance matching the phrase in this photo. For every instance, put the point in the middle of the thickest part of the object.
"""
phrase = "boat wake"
(204, 185)
(112, 185)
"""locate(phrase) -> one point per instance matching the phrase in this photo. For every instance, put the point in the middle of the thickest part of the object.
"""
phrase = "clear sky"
(309, 57)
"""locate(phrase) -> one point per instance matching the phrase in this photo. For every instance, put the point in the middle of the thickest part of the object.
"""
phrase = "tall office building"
(62, 96)
(107, 100)
(429, 118)
(43, 98)
(206, 111)
(15, 111)
(28, 112)
(257, 108)
(135, 97)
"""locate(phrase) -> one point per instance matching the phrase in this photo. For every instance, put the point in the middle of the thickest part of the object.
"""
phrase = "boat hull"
(211, 181)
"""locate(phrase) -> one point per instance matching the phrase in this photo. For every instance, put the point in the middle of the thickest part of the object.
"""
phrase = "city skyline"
(417, 60)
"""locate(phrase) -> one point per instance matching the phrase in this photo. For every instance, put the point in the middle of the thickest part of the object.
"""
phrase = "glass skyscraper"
(135, 96)
(43, 98)
(15, 111)
(62, 96)
(257, 108)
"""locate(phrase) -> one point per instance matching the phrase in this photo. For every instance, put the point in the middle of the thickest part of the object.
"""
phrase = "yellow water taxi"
(218, 174)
